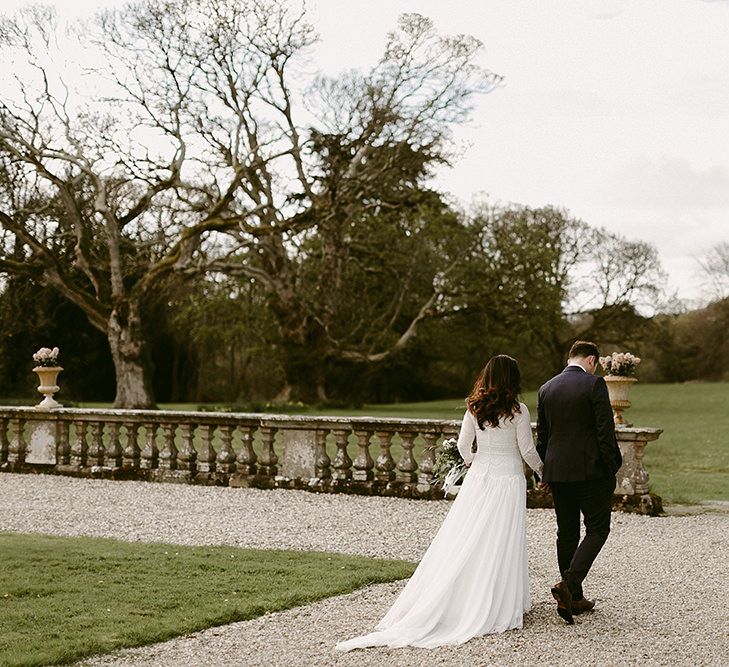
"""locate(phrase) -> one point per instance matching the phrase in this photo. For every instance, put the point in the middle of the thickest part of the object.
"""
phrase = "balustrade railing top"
(180, 416)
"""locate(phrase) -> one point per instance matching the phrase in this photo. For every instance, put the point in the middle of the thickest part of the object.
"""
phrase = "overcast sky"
(617, 110)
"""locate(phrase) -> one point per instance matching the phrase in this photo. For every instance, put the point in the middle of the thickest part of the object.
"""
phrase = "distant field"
(688, 463)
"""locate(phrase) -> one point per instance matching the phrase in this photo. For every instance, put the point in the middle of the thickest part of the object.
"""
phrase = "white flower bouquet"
(620, 363)
(448, 468)
(46, 357)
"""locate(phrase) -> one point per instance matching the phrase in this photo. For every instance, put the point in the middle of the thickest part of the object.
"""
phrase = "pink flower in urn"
(620, 363)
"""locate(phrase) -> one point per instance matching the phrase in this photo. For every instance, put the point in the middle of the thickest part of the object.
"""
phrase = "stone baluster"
(206, 454)
(17, 445)
(363, 464)
(322, 463)
(4, 443)
(407, 465)
(113, 450)
(425, 476)
(268, 459)
(168, 453)
(246, 457)
(226, 455)
(95, 452)
(385, 465)
(149, 455)
(79, 447)
(640, 474)
(342, 463)
(63, 447)
(130, 453)
(186, 456)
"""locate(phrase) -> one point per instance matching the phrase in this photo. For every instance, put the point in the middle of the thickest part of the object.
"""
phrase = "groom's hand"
(544, 486)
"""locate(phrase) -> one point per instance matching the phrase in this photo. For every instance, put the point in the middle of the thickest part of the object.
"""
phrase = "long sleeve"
(526, 442)
(541, 428)
(605, 427)
(466, 437)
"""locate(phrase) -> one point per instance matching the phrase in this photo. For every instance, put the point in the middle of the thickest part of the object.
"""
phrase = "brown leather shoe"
(582, 605)
(561, 593)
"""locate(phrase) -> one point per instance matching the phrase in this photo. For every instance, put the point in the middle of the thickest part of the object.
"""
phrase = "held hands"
(544, 486)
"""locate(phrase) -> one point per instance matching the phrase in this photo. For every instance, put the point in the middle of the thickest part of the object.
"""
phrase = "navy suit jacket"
(575, 428)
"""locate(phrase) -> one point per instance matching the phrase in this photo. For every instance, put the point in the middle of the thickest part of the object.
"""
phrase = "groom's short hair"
(583, 348)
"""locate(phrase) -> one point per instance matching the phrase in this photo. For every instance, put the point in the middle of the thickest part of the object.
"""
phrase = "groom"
(576, 440)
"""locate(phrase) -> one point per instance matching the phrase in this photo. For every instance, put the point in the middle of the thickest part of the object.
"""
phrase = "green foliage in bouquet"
(446, 458)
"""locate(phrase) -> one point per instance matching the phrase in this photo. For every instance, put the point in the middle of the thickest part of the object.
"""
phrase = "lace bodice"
(511, 442)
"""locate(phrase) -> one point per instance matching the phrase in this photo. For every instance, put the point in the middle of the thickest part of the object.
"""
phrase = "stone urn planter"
(618, 388)
(48, 376)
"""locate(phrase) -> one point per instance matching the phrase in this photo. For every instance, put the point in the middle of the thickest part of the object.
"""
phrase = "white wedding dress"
(473, 579)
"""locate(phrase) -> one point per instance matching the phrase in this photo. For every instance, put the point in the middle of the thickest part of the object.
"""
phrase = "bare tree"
(194, 120)
(82, 200)
(715, 271)
(618, 271)
(618, 283)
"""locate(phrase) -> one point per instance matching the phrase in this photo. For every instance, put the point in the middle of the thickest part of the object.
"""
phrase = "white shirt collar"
(574, 363)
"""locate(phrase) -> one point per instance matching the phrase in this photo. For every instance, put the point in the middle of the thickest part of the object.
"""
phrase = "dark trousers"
(592, 498)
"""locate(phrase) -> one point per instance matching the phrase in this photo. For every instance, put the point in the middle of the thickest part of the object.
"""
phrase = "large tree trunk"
(304, 369)
(128, 348)
(303, 342)
(304, 383)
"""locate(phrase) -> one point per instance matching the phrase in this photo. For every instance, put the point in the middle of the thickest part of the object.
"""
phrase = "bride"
(473, 579)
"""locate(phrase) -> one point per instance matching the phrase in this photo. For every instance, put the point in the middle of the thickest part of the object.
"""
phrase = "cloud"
(671, 184)
(608, 15)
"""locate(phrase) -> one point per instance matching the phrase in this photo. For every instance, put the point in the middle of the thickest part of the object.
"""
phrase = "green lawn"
(690, 461)
(65, 598)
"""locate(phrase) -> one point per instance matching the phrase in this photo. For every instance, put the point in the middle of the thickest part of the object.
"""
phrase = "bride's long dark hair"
(495, 394)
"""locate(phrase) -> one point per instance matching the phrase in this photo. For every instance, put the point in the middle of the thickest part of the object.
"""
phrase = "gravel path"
(661, 584)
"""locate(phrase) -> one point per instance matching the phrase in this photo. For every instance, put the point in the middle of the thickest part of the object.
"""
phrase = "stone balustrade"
(384, 456)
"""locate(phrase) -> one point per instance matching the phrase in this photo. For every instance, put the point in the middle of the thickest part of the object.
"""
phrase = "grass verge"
(62, 599)
(690, 461)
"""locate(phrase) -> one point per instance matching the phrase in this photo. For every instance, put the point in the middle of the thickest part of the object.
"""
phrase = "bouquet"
(449, 468)
(46, 357)
(620, 363)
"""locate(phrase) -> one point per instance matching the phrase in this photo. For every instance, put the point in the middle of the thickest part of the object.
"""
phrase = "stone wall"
(382, 456)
